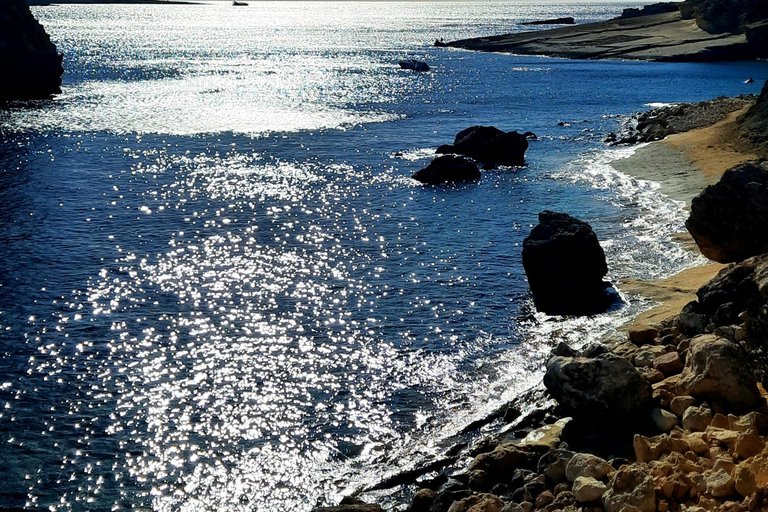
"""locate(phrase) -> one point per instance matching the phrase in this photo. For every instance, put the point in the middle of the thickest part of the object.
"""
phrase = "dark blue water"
(220, 289)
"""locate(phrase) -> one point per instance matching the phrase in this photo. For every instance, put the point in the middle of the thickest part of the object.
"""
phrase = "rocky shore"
(694, 31)
(669, 416)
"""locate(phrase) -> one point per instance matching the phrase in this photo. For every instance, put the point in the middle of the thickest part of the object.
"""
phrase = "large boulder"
(448, 169)
(729, 220)
(607, 387)
(30, 66)
(754, 123)
(565, 266)
(715, 371)
(489, 145)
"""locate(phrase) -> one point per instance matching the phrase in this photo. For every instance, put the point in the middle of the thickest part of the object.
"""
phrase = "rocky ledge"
(30, 66)
(696, 31)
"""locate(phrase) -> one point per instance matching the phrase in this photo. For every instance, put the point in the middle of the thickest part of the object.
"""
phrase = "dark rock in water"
(565, 266)
(554, 21)
(448, 168)
(530, 136)
(489, 145)
(600, 388)
(30, 67)
(729, 220)
(351, 505)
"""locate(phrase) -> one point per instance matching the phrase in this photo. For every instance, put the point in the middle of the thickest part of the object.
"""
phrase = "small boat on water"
(414, 64)
(235, 2)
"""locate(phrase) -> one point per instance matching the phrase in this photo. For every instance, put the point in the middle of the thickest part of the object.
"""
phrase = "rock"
(553, 21)
(744, 480)
(720, 484)
(714, 370)
(664, 420)
(489, 145)
(552, 465)
(31, 66)
(544, 499)
(594, 350)
(642, 334)
(754, 123)
(748, 445)
(696, 443)
(587, 489)
(680, 403)
(648, 354)
(503, 460)
(607, 386)
(729, 220)
(631, 486)
(563, 349)
(565, 266)
(351, 505)
(650, 374)
(478, 503)
(423, 500)
(669, 364)
(448, 169)
(512, 507)
(697, 419)
(587, 465)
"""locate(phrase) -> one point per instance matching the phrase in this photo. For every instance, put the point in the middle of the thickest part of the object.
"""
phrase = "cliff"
(30, 66)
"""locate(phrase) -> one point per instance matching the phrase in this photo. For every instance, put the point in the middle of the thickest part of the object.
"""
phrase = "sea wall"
(30, 66)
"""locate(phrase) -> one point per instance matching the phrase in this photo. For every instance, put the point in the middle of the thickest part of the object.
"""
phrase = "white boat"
(414, 64)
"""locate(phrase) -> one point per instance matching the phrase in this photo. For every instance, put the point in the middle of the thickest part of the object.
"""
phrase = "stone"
(448, 169)
(664, 420)
(679, 404)
(626, 350)
(504, 459)
(748, 445)
(720, 484)
(423, 500)
(723, 436)
(607, 386)
(696, 442)
(351, 505)
(697, 419)
(553, 464)
(587, 465)
(478, 503)
(544, 499)
(562, 500)
(587, 489)
(631, 486)
(729, 219)
(669, 364)
(489, 145)
(642, 334)
(512, 507)
(720, 420)
(714, 370)
(565, 266)
(650, 374)
(31, 66)
(744, 480)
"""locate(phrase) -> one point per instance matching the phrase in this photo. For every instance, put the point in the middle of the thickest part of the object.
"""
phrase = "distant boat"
(238, 3)
(414, 64)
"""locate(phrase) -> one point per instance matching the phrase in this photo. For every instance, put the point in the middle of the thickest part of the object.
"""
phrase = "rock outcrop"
(729, 220)
(565, 266)
(604, 387)
(448, 169)
(754, 123)
(489, 146)
(30, 67)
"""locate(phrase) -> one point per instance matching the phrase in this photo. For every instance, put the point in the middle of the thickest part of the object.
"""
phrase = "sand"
(683, 164)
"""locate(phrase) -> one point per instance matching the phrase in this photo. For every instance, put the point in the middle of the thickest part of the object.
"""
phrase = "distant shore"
(39, 3)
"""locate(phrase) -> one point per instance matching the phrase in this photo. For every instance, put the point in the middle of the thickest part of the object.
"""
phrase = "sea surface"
(219, 287)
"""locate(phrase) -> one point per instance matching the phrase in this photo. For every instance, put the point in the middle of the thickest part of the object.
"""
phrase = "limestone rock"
(423, 500)
(669, 363)
(714, 370)
(748, 445)
(631, 486)
(587, 465)
(587, 489)
(448, 169)
(697, 419)
(553, 464)
(729, 220)
(489, 145)
(504, 459)
(31, 66)
(478, 503)
(744, 480)
(664, 420)
(351, 505)
(720, 484)
(680, 403)
(642, 334)
(565, 266)
(607, 386)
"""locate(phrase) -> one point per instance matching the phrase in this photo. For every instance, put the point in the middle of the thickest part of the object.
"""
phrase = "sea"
(220, 289)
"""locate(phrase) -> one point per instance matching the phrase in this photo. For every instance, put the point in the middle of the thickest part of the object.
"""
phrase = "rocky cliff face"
(754, 124)
(30, 66)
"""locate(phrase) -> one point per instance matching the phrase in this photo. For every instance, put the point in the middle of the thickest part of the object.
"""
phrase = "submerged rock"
(729, 220)
(448, 169)
(565, 266)
(489, 145)
(30, 66)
